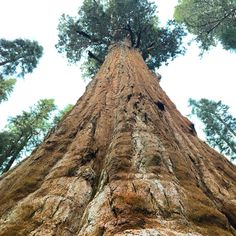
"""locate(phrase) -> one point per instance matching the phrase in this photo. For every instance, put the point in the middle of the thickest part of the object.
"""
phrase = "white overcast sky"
(211, 77)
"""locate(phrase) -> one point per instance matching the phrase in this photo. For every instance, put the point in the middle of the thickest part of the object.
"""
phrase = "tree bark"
(119, 165)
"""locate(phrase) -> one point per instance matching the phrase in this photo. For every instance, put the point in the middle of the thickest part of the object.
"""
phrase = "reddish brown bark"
(124, 161)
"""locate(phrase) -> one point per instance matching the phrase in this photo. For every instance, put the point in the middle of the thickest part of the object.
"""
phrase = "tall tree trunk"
(123, 162)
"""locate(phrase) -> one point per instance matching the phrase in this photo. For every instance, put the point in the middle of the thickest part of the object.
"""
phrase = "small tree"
(220, 125)
(99, 23)
(211, 21)
(24, 132)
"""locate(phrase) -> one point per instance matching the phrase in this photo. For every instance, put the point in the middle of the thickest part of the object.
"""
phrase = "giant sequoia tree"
(99, 23)
(122, 162)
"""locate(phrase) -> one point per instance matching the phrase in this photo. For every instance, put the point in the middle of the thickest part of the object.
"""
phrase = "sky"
(212, 76)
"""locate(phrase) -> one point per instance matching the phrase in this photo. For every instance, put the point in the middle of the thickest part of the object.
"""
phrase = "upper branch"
(91, 38)
(93, 56)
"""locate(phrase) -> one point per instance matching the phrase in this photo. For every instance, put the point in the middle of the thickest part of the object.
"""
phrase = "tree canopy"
(211, 21)
(100, 23)
(220, 125)
(17, 58)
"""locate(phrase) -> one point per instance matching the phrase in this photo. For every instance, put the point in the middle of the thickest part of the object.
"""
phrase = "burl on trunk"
(124, 161)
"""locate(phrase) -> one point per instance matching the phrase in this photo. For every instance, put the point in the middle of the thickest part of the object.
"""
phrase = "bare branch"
(93, 56)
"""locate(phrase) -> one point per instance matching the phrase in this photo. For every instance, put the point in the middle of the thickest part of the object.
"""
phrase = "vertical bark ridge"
(124, 161)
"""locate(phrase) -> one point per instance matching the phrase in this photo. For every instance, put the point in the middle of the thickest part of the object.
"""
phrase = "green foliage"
(211, 21)
(101, 23)
(6, 87)
(58, 117)
(24, 132)
(220, 125)
(18, 57)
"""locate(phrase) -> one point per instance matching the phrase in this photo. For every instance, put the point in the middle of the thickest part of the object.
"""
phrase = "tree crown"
(100, 23)
(19, 57)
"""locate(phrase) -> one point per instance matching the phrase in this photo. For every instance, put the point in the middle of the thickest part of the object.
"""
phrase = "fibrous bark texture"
(123, 162)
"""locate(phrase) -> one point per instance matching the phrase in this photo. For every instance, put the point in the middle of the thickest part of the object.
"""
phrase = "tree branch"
(95, 2)
(217, 21)
(131, 34)
(86, 35)
(138, 39)
(91, 38)
(221, 20)
(93, 56)
(2, 63)
(225, 124)
(150, 46)
(142, 31)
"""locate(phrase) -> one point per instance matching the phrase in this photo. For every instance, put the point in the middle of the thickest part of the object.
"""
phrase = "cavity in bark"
(160, 105)
(192, 129)
(129, 97)
(88, 156)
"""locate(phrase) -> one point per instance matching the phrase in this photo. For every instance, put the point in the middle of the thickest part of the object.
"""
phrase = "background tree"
(24, 132)
(59, 116)
(220, 125)
(99, 23)
(17, 58)
(6, 87)
(211, 21)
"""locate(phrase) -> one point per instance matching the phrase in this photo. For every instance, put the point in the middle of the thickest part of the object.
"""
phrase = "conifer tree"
(123, 161)
(6, 87)
(220, 125)
(211, 21)
(25, 132)
(99, 23)
(17, 58)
